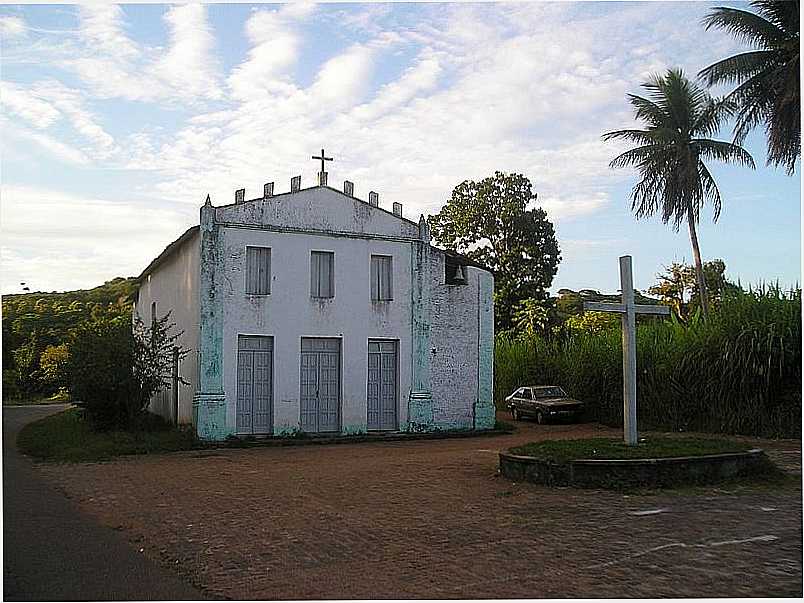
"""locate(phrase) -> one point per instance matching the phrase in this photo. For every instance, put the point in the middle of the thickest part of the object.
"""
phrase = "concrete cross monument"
(628, 310)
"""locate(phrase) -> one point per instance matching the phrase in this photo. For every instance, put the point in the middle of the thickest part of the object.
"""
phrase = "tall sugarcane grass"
(737, 372)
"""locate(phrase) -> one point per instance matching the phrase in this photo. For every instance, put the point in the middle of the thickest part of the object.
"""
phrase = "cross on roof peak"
(323, 158)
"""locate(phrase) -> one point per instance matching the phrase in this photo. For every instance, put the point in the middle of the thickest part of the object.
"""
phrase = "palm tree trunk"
(699, 275)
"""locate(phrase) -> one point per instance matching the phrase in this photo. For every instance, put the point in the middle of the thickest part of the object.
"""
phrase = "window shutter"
(375, 278)
(381, 278)
(326, 275)
(385, 289)
(258, 270)
(314, 274)
(322, 278)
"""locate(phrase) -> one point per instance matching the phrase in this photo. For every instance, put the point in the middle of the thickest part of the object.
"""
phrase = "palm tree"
(768, 83)
(679, 117)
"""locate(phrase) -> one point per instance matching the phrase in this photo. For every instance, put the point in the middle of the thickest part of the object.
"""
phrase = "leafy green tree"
(116, 370)
(490, 222)
(678, 287)
(53, 364)
(679, 118)
(767, 78)
(531, 317)
(592, 322)
(675, 286)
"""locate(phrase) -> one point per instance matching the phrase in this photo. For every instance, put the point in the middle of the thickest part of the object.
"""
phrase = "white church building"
(315, 311)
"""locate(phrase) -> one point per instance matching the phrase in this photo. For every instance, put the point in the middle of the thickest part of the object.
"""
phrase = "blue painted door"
(381, 403)
(320, 395)
(255, 355)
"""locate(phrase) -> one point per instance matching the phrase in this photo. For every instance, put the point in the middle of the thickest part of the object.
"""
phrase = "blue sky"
(118, 120)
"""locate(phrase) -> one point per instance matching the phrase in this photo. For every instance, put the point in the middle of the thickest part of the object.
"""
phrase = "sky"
(117, 121)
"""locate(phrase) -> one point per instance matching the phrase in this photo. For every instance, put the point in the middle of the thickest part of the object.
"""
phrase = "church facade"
(315, 311)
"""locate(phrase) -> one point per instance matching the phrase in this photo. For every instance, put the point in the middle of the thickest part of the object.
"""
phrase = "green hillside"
(36, 325)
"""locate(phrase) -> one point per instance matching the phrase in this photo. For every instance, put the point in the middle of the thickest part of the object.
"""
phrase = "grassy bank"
(738, 372)
(67, 436)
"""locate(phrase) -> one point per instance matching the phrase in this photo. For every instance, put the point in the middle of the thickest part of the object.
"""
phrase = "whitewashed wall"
(174, 287)
(454, 340)
(289, 313)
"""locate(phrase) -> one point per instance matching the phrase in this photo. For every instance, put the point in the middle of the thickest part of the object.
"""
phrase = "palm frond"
(784, 14)
(710, 190)
(746, 26)
(646, 110)
(634, 157)
(712, 116)
(644, 137)
(725, 152)
(737, 68)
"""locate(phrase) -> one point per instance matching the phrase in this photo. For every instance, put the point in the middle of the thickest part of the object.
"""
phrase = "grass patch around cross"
(68, 436)
(564, 451)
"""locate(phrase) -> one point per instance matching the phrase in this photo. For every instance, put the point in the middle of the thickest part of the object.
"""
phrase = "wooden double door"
(382, 387)
(320, 384)
(255, 387)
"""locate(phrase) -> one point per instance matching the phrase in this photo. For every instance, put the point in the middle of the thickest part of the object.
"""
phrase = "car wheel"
(540, 418)
(515, 414)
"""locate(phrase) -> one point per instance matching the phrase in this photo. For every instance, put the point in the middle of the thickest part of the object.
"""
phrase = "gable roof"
(167, 252)
(334, 190)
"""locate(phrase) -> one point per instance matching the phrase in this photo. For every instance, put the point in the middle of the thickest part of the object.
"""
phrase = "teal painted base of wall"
(485, 415)
(209, 411)
(354, 430)
(420, 412)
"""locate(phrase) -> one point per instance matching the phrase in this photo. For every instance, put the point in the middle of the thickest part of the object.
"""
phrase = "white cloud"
(102, 25)
(343, 79)
(190, 66)
(12, 27)
(47, 102)
(275, 49)
(53, 240)
(38, 112)
(115, 66)
(50, 145)
(418, 79)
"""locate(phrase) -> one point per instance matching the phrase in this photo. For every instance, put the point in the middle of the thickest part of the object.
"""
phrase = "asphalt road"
(52, 551)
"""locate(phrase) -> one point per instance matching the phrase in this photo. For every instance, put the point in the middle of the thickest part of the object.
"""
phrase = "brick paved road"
(433, 519)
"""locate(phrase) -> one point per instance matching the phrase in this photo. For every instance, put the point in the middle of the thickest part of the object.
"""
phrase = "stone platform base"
(618, 473)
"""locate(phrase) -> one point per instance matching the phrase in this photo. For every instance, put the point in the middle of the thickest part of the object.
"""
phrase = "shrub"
(100, 371)
(115, 370)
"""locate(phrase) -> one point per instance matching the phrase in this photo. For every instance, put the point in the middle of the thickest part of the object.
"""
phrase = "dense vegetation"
(737, 372)
(37, 328)
(86, 345)
(493, 221)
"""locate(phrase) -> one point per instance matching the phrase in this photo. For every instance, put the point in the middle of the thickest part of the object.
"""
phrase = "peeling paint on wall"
(210, 401)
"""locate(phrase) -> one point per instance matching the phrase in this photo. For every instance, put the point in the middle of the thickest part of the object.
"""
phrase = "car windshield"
(548, 392)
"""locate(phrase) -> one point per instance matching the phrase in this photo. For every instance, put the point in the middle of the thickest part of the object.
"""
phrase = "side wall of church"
(173, 285)
(462, 342)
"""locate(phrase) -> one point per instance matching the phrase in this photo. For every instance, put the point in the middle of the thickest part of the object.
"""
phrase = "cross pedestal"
(628, 311)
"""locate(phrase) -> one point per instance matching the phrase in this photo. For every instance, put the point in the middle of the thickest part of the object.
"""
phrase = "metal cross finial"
(323, 158)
